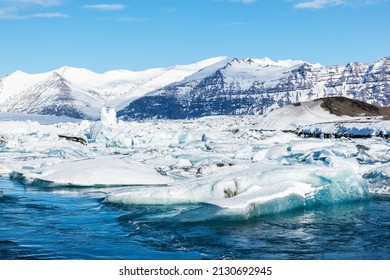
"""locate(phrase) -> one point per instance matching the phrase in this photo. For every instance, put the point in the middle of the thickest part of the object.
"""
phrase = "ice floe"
(242, 166)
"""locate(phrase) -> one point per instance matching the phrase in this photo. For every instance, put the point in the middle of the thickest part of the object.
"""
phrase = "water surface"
(44, 223)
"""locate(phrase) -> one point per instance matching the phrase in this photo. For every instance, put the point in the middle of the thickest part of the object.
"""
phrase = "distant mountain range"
(217, 86)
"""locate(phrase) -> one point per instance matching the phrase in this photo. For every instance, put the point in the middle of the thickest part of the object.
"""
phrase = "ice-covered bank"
(235, 165)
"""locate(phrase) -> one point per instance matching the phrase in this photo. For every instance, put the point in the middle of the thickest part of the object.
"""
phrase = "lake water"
(44, 223)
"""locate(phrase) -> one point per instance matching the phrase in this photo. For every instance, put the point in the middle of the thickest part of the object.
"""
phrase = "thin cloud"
(25, 3)
(169, 10)
(322, 4)
(133, 19)
(243, 1)
(106, 7)
(9, 13)
(49, 15)
(12, 16)
(319, 4)
(13, 9)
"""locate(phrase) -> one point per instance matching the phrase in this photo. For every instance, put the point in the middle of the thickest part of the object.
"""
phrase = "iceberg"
(108, 116)
(258, 190)
(223, 166)
(104, 171)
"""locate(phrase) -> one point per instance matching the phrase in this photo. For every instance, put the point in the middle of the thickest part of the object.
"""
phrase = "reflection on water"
(40, 223)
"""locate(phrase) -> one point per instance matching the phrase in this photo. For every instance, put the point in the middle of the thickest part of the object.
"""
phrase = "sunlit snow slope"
(258, 86)
(216, 86)
(81, 93)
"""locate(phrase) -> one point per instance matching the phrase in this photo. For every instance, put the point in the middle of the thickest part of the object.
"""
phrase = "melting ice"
(226, 166)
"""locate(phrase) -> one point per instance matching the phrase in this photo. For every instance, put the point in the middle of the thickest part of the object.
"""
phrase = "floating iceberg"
(258, 190)
(107, 171)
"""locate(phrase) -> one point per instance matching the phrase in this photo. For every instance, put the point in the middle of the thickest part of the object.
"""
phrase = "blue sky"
(42, 35)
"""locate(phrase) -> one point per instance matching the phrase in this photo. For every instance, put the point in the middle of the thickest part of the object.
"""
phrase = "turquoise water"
(43, 223)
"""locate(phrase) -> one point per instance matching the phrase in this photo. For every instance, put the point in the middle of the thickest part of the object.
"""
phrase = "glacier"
(238, 167)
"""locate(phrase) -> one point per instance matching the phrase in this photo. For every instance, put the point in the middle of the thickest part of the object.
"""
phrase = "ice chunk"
(183, 163)
(260, 155)
(379, 179)
(12, 144)
(122, 140)
(244, 152)
(260, 189)
(108, 117)
(185, 137)
(279, 151)
(190, 191)
(104, 130)
(304, 145)
(107, 171)
(257, 201)
(94, 130)
(12, 127)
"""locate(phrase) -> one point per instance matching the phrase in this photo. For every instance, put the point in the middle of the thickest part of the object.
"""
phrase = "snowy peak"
(205, 63)
(76, 74)
(258, 86)
(17, 82)
(55, 95)
(88, 88)
(266, 62)
(55, 80)
(215, 86)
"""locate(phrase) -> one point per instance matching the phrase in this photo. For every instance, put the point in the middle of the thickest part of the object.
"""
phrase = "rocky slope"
(258, 86)
(217, 86)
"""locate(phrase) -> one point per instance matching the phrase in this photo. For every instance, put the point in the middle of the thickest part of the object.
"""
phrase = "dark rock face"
(228, 91)
(349, 107)
(62, 110)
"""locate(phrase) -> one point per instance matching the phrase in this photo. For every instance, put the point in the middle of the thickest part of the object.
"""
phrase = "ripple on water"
(37, 223)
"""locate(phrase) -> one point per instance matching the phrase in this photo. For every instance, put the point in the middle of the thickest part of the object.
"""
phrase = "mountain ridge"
(227, 91)
(215, 86)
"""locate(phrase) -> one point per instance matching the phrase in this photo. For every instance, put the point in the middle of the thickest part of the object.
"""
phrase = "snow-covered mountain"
(56, 96)
(81, 93)
(257, 86)
(217, 86)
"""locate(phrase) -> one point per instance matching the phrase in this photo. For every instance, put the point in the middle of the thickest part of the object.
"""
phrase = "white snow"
(17, 82)
(106, 171)
(242, 166)
(246, 191)
(91, 91)
(264, 70)
(311, 118)
(291, 117)
(108, 116)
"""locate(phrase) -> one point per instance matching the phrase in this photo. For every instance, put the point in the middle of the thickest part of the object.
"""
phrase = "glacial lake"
(51, 223)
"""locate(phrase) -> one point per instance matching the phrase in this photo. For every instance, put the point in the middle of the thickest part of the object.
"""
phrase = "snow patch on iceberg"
(379, 179)
(104, 171)
(259, 190)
